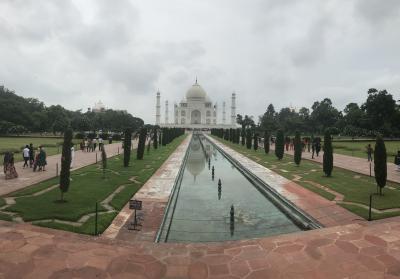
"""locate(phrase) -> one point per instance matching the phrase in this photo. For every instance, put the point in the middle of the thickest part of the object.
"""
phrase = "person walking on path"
(100, 143)
(317, 145)
(25, 154)
(31, 155)
(397, 160)
(94, 144)
(369, 152)
(87, 145)
(9, 168)
(42, 159)
(72, 156)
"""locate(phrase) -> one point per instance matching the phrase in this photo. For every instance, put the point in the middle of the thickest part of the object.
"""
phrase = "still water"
(203, 210)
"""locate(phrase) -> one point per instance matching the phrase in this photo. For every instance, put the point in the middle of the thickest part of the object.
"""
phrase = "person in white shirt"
(25, 154)
(100, 143)
(72, 157)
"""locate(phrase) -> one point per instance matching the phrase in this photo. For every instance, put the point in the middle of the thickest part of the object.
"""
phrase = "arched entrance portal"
(195, 117)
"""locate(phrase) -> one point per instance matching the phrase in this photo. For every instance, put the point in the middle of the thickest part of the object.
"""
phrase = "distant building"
(99, 107)
(196, 110)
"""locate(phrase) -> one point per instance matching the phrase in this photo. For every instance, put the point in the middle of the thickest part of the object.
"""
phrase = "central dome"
(196, 92)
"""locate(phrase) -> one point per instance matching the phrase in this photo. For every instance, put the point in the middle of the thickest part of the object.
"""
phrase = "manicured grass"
(355, 187)
(358, 149)
(88, 187)
(103, 222)
(5, 217)
(363, 212)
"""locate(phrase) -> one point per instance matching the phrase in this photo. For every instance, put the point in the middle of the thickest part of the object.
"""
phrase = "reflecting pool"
(203, 209)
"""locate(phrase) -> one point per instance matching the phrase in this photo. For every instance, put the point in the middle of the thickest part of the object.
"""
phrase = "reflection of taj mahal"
(196, 110)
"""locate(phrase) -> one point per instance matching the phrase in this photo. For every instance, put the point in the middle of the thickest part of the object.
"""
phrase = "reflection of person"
(72, 156)
(9, 168)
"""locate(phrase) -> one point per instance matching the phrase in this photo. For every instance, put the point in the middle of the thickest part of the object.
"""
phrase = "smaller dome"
(196, 92)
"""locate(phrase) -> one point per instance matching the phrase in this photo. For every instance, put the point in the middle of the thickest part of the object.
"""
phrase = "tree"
(142, 143)
(266, 142)
(103, 160)
(255, 143)
(279, 145)
(297, 148)
(243, 135)
(248, 138)
(155, 139)
(127, 146)
(328, 155)
(65, 163)
(324, 115)
(380, 166)
(268, 120)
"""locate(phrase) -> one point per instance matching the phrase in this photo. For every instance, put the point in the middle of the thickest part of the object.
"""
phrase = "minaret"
(158, 108)
(223, 113)
(233, 109)
(166, 112)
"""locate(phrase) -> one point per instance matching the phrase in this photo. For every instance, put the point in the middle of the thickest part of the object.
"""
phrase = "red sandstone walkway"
(27, 177)
(355, 164)
(354, 251)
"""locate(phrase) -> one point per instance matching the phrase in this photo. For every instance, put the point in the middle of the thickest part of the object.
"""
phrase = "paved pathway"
(355, 164)
(154, 194)
(27, 177)
(353, 251)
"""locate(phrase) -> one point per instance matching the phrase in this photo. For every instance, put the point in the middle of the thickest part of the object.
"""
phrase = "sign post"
(135, 205)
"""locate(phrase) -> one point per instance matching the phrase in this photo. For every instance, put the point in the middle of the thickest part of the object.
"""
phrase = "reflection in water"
(219, 189)
(196, 161)
(232, 221)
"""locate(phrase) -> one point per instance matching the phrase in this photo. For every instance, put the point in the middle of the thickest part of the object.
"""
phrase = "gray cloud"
(284, 52)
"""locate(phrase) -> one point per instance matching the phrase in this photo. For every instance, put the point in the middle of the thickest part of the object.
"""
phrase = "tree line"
(19, 115)
(379, 114)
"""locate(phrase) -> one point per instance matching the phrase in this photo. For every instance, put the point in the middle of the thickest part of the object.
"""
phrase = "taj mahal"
(196, 110)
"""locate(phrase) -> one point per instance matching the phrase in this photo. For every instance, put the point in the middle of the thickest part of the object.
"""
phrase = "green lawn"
(88, 187)
(355, 187)
(358, 149)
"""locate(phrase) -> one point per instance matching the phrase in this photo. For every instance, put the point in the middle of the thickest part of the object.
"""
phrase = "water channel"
(201, 211)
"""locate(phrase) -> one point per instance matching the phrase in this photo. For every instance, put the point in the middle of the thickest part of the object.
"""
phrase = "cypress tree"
(243, 134)
(328, 154)
(103, 160)
(149, 145)
(238, 136)
(155, 139)
(297, 148)
(160, 138)
(380, 166)
(279, 145)
(65, 163)
(255, 144)
(248, 138)
(266, 142)
(127, 146)
(141, 144)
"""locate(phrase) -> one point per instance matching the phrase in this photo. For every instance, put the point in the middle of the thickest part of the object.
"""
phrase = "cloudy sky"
(285, 52)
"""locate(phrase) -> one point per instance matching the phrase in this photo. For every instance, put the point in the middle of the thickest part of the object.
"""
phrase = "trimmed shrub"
(127, 146)
(380, 166)
(255, 141)
(141, 144)
(248, 138)
(266, 142)
(328, 155)
(65, 163)
(279, 145)
(297, 148)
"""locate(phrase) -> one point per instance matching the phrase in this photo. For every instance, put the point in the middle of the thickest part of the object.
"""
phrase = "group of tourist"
(90, 145)
(35, 160)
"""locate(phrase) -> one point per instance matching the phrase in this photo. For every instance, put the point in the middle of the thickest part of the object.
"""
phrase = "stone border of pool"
(154, 194)
(326, 212)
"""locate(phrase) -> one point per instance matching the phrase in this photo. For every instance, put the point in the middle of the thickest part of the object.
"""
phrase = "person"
(90, 145)
(94, 144)
(82, 145)
(86, 145)
(318, 145)
(42, 159)
(72, 156)
(369, 152)
(397, 160)
(25, 154)
(8, 165)
(313, 144)
(308, 145)
(109, 139)
(100, 143)
(31, 155)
